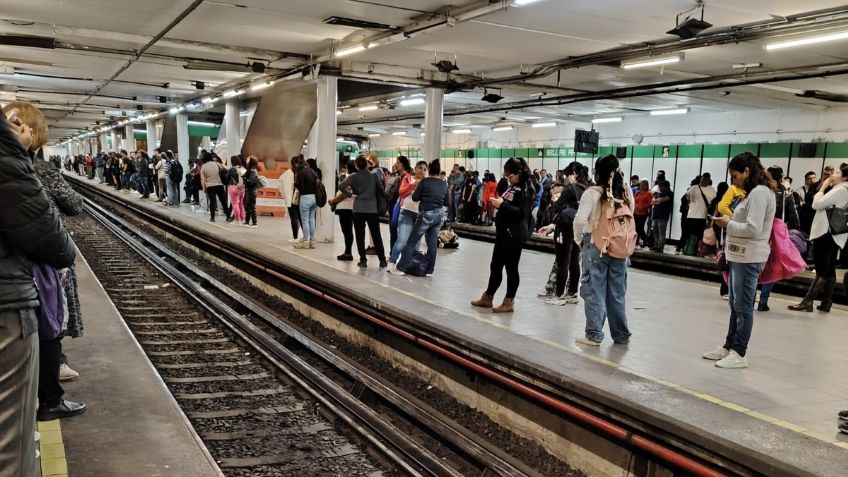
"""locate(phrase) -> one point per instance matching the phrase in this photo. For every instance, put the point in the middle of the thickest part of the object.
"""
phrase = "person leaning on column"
(30, 231)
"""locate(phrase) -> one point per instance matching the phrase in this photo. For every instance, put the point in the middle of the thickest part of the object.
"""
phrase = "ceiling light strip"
(652, 62)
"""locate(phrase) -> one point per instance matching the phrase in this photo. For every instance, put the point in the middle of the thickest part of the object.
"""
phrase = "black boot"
(827, 299)
(807, 303)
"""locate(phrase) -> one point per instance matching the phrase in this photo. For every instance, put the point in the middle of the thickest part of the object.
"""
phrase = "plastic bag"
(784, 260)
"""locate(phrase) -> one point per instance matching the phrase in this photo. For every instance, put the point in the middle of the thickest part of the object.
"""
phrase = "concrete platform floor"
(131, 427)
(798, 365)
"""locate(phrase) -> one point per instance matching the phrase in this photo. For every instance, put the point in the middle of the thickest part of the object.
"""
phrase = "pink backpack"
(615, 235)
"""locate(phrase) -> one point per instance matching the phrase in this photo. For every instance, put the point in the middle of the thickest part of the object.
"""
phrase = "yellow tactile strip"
(53, 462)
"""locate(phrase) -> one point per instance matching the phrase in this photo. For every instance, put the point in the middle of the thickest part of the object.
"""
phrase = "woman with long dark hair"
(512, 229)
(604, 280)
(306, 183)
(833, 192)
(746, 250)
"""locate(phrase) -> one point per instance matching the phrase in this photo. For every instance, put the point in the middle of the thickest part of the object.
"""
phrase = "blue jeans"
(743, 289)
(603, 288)
(173, 197)
(308, 208)
(428, 224)
(406, 223)
(765, 293)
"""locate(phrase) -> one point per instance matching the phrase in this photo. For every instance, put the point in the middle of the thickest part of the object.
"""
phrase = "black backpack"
(320, 193)
(176, 172)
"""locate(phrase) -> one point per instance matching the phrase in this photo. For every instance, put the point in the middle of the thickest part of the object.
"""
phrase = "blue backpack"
(417, 266)
(51, 310)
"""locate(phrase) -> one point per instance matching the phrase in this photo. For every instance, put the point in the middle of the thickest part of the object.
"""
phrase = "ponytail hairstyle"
(435, 167)
(756, 174)
(610, 179)
(517, 165)
(581, 171)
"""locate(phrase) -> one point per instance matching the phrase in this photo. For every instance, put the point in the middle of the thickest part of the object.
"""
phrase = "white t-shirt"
(697, 207)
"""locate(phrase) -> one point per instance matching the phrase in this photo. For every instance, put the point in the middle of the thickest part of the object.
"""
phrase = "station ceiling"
(98, 60)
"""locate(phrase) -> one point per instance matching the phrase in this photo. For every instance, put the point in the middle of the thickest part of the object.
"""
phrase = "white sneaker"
(555, 301)
(294, 240)
(66, 373)
(572, 300)
(716, 354)
(587, 341)
(732, 361)
(394, 271)
(428, 275)
(544, 294)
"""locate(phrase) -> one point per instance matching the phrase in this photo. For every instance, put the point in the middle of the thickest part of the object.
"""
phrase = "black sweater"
(512, 220)
(431, 194)
(306, 181)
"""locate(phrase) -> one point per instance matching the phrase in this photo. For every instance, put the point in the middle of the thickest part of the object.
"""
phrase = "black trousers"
(690, 227)
(346, 223)
(250, 206)
(506, 254)
(294, 215)
(568, 263)
(824, 256)
(220, 193)
(640, 228)
(49, 388)
(360, 220)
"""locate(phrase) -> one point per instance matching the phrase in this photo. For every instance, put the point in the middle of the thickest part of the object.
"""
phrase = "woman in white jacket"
(287, 191)
(747, 251)
(833, 192)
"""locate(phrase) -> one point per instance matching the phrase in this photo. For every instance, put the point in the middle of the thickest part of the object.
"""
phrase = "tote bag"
(784, 260)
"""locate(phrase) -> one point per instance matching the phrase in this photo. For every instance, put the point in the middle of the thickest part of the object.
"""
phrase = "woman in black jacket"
(512, 226)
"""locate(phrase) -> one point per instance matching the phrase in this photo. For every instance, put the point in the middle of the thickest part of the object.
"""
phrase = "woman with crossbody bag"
(828, 234)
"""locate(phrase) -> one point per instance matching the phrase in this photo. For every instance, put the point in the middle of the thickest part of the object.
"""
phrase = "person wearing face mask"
(513, 222)
(747, 251)
(30, 232)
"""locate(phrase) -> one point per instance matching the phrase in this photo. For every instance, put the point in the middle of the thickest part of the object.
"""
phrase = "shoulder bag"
(837, 220)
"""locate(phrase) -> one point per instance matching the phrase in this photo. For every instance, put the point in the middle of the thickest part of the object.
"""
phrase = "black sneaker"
(763, 307)
(64, 409)
(843, 426)
(370, 251)
(843, 415)
(362, 264)
(384, 263)
(345, 257)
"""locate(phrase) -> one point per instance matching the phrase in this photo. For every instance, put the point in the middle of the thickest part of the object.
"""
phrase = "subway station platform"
(782, 408)
(132, 426)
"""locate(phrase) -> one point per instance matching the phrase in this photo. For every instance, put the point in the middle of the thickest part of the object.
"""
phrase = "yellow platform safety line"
(53, 461)
(703, 396)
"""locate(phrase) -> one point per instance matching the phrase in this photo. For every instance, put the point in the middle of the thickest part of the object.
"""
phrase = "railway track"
(265, 398)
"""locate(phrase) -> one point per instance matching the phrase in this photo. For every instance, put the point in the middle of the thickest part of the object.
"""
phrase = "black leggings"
(217, 191)
(507, 253)
(640, 228)
(824, 256)
(346, 223)
(359, 222)
(294, 216)
(49, 388)
(568, 263)
(250, 206)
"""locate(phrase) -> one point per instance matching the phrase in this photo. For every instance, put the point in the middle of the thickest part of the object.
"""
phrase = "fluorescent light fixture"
(399, 133)
(372, 107)
(208, 100)
(339, 139)
(349, 51)
(461, 131)
(412, 102)
(521, 3)
(423, 134)
(778, 45)
(652, 62)
(338, 111)
(232, 93)
(503, 128)
(669, 112)
(374, 135)
(616, 119)
(176, 110)
(199, 123)
(543, 125)
(259, 86)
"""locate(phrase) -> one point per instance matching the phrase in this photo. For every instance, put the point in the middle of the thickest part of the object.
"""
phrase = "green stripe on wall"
(643, 152)
(837, 149)
(689, 151)
(775, 150)
(716, 150)
(736, 149)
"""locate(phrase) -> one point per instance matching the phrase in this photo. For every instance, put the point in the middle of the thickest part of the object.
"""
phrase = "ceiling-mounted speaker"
(257, 67)
(445, 66)
(470, 154)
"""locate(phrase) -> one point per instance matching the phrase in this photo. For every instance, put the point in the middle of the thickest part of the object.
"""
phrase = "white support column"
(182, 140)
(206, 143)
(232, 129)
(116, 146)
(104, 145)
(312, 142)
(151, 136)
(70, 147)
(433, 116)
(327, 156)
(129, 139)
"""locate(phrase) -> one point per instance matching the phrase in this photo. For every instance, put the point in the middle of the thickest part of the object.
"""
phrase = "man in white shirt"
(700, 197)
(287, 193)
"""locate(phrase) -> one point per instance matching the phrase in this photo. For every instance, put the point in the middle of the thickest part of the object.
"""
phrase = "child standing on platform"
(251, 185)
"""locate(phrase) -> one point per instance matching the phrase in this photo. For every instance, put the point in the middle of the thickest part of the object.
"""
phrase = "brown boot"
(485, 301)
(807, 303)
(506, 306)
